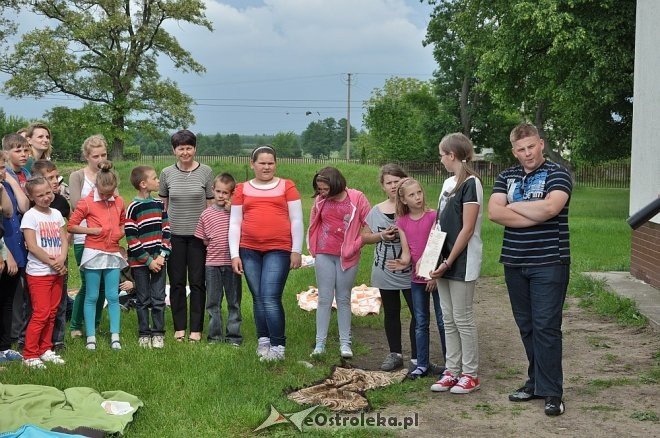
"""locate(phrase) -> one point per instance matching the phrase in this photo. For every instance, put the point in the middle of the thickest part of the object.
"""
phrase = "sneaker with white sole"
(51, 356)
(144, 341)
(158, 341)
(263, 346)
(465, 385)
(12, 355)
(345, 351)
(554, 406)
(318, 350)
(445, 383)
(34, 363)
(274, 353)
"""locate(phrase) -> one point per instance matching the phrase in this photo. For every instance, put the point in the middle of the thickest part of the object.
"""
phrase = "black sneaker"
(58, 348)
(417, 373)
(554, 406)
(523, 394)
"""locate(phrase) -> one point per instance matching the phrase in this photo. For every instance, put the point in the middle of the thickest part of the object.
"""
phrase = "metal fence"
(609, 175)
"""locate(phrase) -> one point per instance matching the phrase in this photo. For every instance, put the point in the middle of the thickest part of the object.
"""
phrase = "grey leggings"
(333, 282)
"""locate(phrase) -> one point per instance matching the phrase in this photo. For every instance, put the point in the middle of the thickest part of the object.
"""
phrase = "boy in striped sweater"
(148, 236)
(213, 229)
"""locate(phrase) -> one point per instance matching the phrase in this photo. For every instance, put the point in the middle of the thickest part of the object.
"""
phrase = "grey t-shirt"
(187, 193)
(381, 277)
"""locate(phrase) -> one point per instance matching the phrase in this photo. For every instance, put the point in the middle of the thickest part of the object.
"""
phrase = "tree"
(11, 123)
(231, 145)
(402, 120)
(321, 137)
(70, 127)
(106, 51)
(286, 144)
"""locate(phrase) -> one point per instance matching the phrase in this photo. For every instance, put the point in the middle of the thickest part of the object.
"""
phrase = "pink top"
(417, 233)
(213, 226)
(334, 222)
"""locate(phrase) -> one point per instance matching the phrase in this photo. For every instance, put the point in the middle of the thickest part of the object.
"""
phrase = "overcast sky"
(270, 62)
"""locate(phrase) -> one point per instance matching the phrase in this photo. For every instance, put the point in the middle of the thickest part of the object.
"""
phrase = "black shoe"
(523, 394)
(436, 370)
(57, 348)
(417, 373)
(554, 406)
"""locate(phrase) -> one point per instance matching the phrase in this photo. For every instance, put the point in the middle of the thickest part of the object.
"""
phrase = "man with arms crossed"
(531, 201)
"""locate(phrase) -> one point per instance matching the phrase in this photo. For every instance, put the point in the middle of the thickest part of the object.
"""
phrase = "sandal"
(91, 345)
(417, 373)
(115, 345)
(193, 337)
(180, 335)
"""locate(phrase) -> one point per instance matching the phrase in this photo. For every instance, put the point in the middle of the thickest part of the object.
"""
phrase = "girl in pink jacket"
(334, 238)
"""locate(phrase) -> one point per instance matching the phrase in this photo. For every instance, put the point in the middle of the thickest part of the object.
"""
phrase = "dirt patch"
(607, 389)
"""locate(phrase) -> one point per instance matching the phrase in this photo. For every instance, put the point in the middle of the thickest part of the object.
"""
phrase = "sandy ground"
(606, 389)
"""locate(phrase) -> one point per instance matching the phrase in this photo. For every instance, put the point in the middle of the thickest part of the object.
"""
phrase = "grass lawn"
(213, 390)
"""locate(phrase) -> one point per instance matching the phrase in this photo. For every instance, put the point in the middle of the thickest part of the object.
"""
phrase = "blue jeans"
(93, 285)
(537, 298)
(221, 280)
(150, 294)
(421, 307)
(266, 273)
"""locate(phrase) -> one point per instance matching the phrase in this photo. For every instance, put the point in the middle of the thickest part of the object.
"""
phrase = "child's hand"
(94, 231)
(431, 285)
(228, 204)
(126, 285)
(396, 265)
(12, 267)
(154, 266)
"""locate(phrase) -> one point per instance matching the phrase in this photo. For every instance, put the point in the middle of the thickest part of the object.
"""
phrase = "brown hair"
(332, 177)
(106, 177)
(393, 170)
(43, 166)
(263, 149)
(401, 208)
(523, 130)
(33, 182)
(225, 178)
(14, 141)
(139, 174)
(29, 132)
(463, 149)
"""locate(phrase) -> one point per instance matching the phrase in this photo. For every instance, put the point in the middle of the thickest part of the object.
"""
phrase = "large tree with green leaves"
(403, 120)
(106, 52)
(286, 144)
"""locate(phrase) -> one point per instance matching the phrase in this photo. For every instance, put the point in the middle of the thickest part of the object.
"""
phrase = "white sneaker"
(263, 347)
(144, 341)
(51, 356)
(318, 350)
(346, 351)
(35, 363)
(275, 353)
(157, 341)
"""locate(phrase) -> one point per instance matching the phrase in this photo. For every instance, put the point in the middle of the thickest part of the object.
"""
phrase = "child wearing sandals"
(105, 214)
(47, 243)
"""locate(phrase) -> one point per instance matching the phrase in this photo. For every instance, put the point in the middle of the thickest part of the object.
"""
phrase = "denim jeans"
(186, 262)
(421, 306)
(150, 294)
(221, 280)
(537, 298)
(266, 273)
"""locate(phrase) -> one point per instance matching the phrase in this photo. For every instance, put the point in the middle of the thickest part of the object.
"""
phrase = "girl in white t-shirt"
(46, 241)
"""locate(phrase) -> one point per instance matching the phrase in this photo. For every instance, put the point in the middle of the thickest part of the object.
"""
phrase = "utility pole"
(348, 120)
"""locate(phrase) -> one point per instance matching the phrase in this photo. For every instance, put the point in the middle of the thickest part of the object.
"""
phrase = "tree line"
(565, 65)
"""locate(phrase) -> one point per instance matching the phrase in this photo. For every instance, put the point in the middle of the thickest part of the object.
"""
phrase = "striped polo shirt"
(147, 231)
(187, 193)
(542, 244)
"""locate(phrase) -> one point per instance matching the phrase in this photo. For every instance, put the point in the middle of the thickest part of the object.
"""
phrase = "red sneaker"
(447, 381)
(465, 385)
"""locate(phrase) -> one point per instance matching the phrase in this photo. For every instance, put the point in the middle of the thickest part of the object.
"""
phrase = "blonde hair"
(401, 208)
(523, 130)
(93, 142)
(463, 149)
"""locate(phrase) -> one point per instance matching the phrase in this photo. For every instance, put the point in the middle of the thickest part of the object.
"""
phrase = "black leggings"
(392, 307)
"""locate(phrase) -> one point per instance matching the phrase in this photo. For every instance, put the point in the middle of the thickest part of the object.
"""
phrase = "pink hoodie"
(350, 248)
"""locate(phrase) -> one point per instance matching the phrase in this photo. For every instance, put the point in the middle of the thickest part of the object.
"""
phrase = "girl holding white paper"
(415, 222)
(459, 214)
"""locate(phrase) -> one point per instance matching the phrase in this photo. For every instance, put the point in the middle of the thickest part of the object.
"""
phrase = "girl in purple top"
(415, 221)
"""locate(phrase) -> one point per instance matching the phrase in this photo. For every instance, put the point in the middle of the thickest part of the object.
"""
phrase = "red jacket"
(109, 215)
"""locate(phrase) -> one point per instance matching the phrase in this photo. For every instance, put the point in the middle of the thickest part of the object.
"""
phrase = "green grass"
(207, 390)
